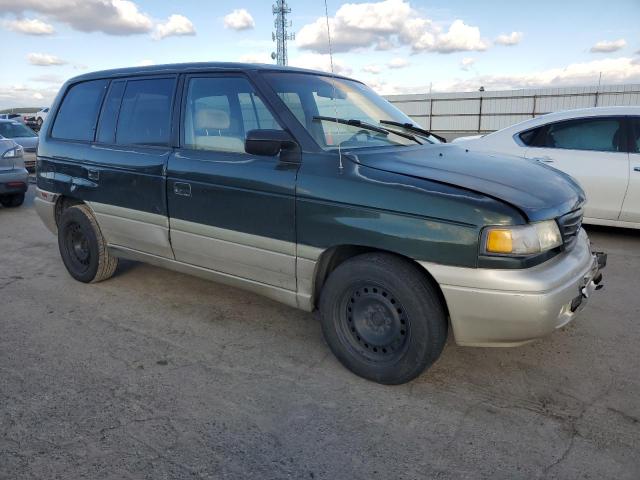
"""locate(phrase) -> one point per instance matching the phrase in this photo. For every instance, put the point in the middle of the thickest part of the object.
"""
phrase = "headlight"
(522, 240)
(13, 153)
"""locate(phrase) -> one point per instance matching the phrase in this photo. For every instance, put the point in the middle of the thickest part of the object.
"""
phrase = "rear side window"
(531, 137)
(595, 134)
(145, 113)
(78, 114)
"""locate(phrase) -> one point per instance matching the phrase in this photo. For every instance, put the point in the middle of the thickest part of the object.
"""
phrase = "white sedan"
(599, 147)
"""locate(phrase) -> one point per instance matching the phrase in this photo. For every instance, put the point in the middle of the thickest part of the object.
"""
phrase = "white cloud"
(614, 70)
(113, 17)
(321, 62)
(466, 63)
(30, 26)
(175, 26)
(398, 62)
(509, 40)
(24, 96)
(239, 19)
(261, 57)
(44, 59)
(375, 69)
(384, 25)
(606, 46)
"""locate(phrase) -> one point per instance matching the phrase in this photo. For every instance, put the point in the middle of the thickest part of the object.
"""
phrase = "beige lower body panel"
(135, 229)
(282, 295)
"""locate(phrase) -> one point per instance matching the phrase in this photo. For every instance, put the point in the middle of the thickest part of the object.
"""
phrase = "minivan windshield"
(15, 130)
(344, 113)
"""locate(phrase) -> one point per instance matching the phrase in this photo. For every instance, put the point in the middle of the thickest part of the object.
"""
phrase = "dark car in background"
(13, 176)
(311, 189)
(24, 136)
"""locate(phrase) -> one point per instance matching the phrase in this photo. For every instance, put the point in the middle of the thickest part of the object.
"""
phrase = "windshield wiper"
(355, 123)
(413, 128)
(367, 126)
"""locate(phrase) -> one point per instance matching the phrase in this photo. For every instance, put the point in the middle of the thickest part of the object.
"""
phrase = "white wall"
(467, 113)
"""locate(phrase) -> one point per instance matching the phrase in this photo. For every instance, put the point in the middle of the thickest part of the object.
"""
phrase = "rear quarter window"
(78, 114)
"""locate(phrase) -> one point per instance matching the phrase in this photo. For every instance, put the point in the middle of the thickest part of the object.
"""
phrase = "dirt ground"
(158, 375)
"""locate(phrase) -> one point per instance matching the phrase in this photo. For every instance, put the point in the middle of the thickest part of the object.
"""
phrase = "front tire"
(82, 246)
(12, 201)
(383, 318)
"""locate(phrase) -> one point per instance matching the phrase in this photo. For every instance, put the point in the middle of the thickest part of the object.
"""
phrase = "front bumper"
(494, 307)
(13, 181)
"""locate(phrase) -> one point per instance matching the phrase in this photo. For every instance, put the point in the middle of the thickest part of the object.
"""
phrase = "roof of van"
(193, 67)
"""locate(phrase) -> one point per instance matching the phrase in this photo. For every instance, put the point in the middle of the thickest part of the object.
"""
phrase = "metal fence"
(468, 113)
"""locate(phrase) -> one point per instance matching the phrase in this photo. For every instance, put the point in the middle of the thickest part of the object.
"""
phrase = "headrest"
(212, 119)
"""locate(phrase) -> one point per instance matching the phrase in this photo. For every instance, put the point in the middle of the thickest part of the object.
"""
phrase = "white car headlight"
(522, 239)
(13, 153)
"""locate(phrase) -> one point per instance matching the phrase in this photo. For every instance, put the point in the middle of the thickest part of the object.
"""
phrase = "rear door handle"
(183, 189)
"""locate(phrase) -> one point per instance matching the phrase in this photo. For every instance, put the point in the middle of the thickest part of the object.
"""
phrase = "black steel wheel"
(383, 318)
(82, 247)
(374, 323)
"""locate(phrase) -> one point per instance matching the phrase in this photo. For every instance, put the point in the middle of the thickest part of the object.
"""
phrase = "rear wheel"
(82, 246)
(11, 201)
(383, 318)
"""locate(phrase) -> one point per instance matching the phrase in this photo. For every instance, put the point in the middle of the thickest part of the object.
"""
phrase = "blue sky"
(396, 46)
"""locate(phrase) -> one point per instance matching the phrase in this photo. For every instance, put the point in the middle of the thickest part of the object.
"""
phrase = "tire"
(82, 246)
(11, 201)
(383, 318)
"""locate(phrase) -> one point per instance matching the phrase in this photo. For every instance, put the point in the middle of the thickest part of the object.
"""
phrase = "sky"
(395, 46)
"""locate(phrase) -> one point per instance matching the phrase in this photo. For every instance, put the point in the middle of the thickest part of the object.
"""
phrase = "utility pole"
(280, 36)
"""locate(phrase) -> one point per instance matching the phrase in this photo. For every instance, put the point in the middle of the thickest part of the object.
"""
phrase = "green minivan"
(310, 189)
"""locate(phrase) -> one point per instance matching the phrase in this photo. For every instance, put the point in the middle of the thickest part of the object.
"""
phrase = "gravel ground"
(159, 375)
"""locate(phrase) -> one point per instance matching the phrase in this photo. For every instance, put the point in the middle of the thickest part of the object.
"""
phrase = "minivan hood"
(539, 191)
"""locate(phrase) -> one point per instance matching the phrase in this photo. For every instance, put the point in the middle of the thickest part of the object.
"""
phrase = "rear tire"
(383, 318)
(11, 201)
(82, 246)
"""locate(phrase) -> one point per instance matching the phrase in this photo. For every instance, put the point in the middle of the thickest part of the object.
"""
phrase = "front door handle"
(544, 159)
(183, 189)
(636, 169)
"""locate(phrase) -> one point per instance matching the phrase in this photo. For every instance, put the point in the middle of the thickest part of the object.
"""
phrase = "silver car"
(24, 136)
(14, 179)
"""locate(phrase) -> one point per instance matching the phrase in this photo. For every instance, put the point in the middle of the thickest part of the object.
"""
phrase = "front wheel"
(383, 318)
(82, 246)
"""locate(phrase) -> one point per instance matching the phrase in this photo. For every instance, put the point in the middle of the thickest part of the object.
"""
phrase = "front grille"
(569, 227)
(29, 149)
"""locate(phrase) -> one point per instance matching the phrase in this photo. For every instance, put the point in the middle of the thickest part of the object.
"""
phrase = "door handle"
(636, 169)
(183, 189)
(544, 159)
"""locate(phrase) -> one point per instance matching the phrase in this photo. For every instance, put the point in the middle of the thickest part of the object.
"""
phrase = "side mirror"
(268, 142)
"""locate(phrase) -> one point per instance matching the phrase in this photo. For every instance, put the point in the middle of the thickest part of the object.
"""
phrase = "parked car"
(311, 189)
(13, 176)
(11, 116)
(22, 135)
(41, 116)
(599, 147)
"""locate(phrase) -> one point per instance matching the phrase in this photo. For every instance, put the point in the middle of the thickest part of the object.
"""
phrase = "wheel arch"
(334, 256)
(64, 202)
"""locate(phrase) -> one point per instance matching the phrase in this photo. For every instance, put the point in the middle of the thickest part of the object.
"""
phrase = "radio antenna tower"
(280, 36)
